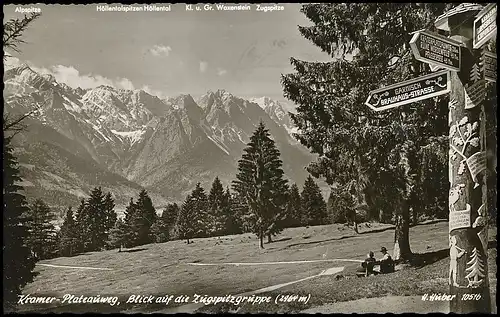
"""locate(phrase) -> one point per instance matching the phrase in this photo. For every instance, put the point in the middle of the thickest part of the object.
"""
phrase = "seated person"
(367, 266)
(386, 262)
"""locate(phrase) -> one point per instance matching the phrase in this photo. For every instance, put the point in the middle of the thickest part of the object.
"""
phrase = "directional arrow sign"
(409, 91)
(489, 66)
(485, 25)
(436, 49)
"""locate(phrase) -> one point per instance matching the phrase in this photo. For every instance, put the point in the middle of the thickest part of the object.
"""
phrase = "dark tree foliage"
(260, 183)
(18, 263)
(110, 214)
(94, 220)
(146, 217)
(68, 235)
(118, 235)
(217, 209)
(295, 213)
(42, 232)
(340, 205)
(376, 153)
(313, 204)
(162, 229)
(193, 214)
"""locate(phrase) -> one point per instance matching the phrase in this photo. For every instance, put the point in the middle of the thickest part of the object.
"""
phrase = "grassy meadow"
(164, 269)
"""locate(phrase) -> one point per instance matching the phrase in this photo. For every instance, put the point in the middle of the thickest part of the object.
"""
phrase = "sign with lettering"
(485, 25)
(475, 94)
(459, 219)
(436, 49)
(409, 91)
(489, 66)
(476, 164)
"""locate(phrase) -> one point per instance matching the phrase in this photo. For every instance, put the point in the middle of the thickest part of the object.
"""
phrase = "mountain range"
(124, 140)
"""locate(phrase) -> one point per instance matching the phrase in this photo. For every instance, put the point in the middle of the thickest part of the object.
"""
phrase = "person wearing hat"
(386, 262)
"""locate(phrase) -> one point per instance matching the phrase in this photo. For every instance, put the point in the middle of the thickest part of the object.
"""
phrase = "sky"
(167, 53)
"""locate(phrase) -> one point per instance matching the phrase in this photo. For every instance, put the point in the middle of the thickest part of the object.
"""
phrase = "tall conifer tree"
(260, 182)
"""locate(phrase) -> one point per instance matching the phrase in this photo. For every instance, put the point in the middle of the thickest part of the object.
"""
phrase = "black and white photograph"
(250, 158)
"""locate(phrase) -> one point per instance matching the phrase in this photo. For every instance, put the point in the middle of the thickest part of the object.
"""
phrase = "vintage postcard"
(249, 158)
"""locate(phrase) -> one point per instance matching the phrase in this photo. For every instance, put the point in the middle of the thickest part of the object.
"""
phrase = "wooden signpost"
(436, 49)
(409, 91)
(489, 66)
(485, 25)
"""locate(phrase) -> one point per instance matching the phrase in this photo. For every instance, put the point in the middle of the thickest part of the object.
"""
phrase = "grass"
(162, 269)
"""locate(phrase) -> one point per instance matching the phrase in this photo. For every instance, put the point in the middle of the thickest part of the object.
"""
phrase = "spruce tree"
(185, 225)
(340, 206)
(294, 208)
(109, 209)
(191, 222)
(233, 223)
(18, 263)
(353, 143)
(82, 227)
(260, 182)
(169, 217)
(68, 235)
(97, 220)
(41, 239)
(313, 203)
(145, 218)
(132, 225)
(118, 235)
(217, 201)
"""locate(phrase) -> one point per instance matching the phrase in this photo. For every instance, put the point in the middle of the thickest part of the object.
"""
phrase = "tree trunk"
(402, 249)
(269, 240)
(188, 241)
(261, 240)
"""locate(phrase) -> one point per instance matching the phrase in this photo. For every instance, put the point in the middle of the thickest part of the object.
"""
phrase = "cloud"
(159, 50)
(11, 62)
(221, 72)
(153, 92)
(125, 83)
(203, 66)
(72, 77)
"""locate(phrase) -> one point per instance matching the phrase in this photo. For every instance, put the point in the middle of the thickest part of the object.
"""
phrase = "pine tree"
(42, 232)
(82, 227)
(18, 263)
(216, 213)
(169, 217)
(118, 235)
(97, 220)
(233, 223)
(351, 141)
(191, 222)
(68, 235)
(313, 203)
(132, 225)
(185, 225)
(260, 182)
(294, 208)
(475, 269)
(146, 217)
(340, 207)
(111, 217)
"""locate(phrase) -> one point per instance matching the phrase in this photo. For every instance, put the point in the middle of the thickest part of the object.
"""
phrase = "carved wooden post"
(468, 275)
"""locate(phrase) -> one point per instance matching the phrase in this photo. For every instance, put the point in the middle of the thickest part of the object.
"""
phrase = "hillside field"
(167, 269)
